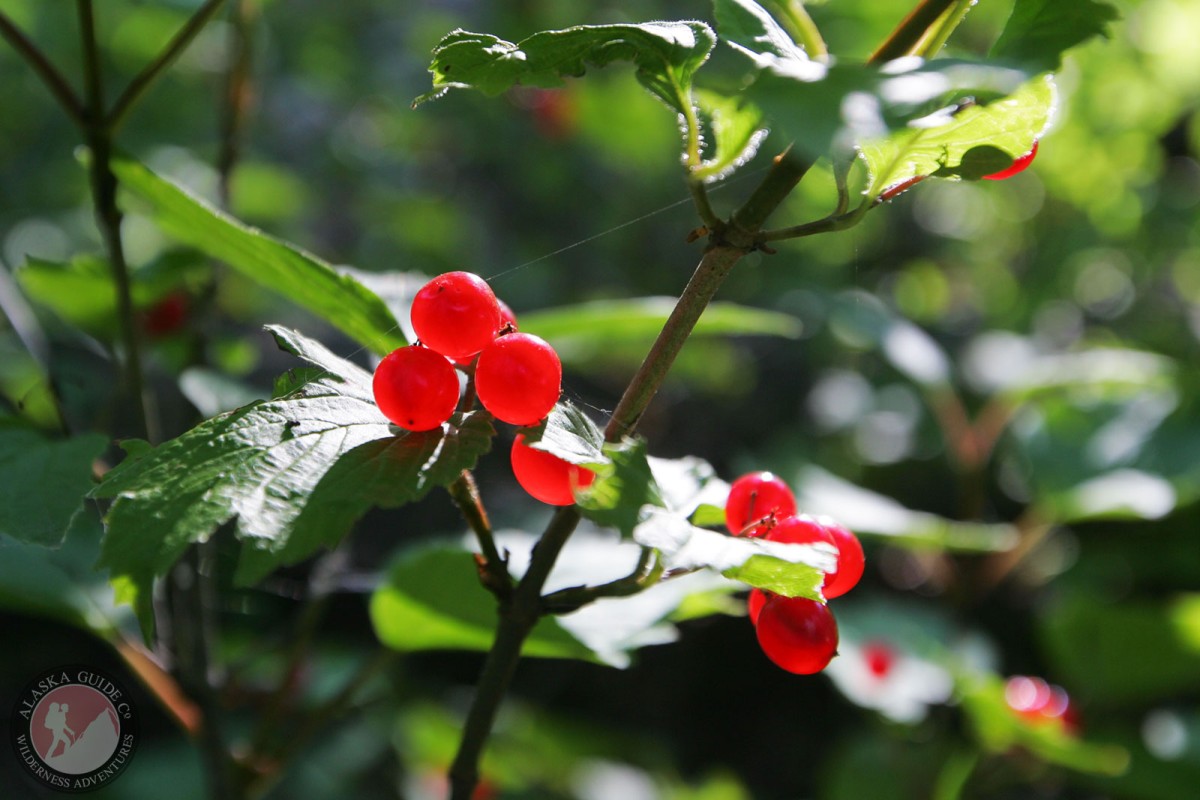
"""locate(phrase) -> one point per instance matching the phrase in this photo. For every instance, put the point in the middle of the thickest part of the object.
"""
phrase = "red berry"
(754, 604)
(518, 378)
(456, 314)
(879, 657)
(1019, 164)
(416, 388)
(166, 316)
(798, 634)
(851, 561)
(754, 497)
(546, 476)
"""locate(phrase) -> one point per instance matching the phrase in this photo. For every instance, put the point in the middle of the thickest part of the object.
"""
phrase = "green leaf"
(866, 512)
(570, 434)
(735, 133)
(840, 107)
(79, 292)
(1040, 31)
(621, 490)
(58, 584)
(750, 29)
(383, 473)
(432, 599)
(43, 482)
(666, 55)
(262, 468)
(967, 142)
(794, 570)
(284, 268)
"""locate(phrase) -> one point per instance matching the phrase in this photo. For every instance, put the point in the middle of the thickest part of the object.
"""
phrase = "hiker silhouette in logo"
(56, 721)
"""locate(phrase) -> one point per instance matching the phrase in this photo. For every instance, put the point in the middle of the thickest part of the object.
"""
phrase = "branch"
(939, 33)
(53, 79)
(703, 207)
(517, 619)
(904, 39)
(493, 567)
(648, 571)
(710, 273)
(143, 80)
(237, 94)
(834, 222)
(108, 218)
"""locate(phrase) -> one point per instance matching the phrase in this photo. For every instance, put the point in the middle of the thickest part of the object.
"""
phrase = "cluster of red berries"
(459, 322)
(1040, 703)
(798, 634)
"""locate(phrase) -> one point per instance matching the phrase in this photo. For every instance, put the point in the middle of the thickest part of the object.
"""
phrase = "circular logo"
(74, 729)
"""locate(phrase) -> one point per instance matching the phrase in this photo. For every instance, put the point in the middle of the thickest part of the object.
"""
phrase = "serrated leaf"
(666, 55)
(863, 511)
(615, 499)
(43, 482)
(965, 142)
(432, 599)
(298, 276)
(570, 434)
(750, 29)
(836, 108)
(259, 469)
(1039, 31)
(794, 570)
(382, 473)
(735, 132)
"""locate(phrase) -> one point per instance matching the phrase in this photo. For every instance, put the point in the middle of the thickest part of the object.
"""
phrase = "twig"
(908, 34)
(53, 79)
(834, 222)
(494, 566)
(143, 80)
(648, 571)
(939, 33)
(236, 96)
(108, 217)
(703, 205)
